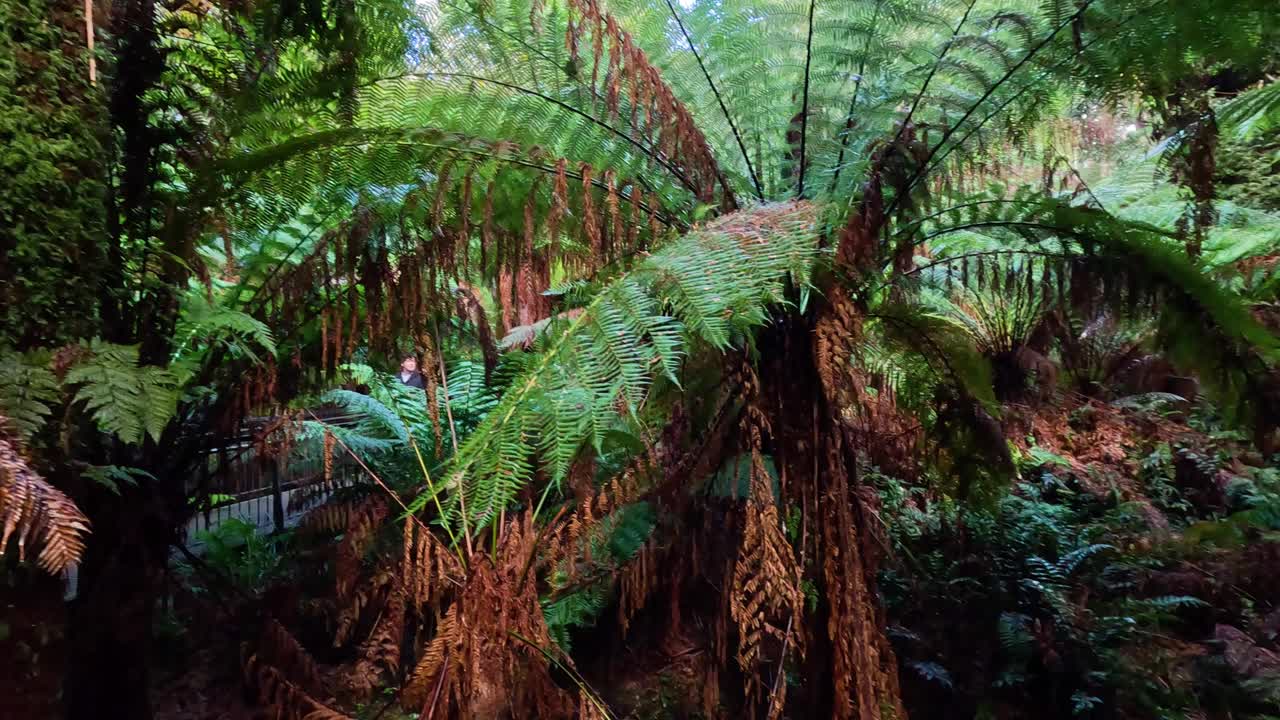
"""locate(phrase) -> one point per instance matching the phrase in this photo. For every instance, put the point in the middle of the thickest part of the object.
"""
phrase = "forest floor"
(1148, 482)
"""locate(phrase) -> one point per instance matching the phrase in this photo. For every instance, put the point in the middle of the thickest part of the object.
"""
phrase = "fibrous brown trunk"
(817, 469)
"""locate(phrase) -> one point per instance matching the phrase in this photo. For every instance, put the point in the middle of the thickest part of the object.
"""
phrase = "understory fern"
(125, 399)
(28, 393)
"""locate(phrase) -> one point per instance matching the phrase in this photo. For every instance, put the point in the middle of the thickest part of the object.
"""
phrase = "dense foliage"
(854, 360)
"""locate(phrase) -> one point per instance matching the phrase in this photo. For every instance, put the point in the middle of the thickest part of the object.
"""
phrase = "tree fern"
(707, 287)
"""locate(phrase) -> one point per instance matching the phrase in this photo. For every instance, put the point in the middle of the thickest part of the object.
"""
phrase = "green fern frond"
(128, 400)
(711, 286)
(113, 476)
(1252, 113)
(203, 321)
(28, 393)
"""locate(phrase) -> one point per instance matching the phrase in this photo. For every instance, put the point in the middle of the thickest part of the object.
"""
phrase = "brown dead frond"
(331, 517)
(766, 600)
(365, 596)
(487, 657)
(427, 673)
(864, 668)
(282, 699)
(429, 567)
(637, 580)
(277, 647)
(381, 651)
(36, 513)
(362, 525)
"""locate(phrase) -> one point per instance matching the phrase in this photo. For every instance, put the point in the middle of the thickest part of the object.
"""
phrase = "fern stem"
(435, 497)
(924, 166)
(737, 136)
(648, 152)
(853, 101)
(1000, 108)
(915, 103)
(804, 102)
(910, 227)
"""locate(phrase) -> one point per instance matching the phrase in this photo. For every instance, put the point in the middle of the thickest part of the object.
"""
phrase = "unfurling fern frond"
(33, 512)
(131, 401)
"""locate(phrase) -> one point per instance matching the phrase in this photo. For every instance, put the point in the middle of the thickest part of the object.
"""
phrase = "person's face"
(409, 365)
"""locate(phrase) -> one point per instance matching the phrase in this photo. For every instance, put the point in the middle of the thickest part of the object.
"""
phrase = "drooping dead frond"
(278, 648)
(864, 669)
(428, 566)
(488, 656)
(469, 308)
(429, 671)
(365, 596)
(282, 699)
(331, 517)
(36, 513)
(766, 600)
(636, 582)
(363, 524)
(381, 651)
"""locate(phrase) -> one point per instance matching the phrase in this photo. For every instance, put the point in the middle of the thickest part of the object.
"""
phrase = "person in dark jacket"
(409, 374)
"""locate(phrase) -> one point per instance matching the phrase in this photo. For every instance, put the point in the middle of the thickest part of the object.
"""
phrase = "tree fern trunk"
(817, 470)
(109, 628)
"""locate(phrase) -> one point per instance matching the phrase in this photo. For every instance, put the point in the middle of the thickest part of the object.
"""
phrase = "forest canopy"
(616, 359)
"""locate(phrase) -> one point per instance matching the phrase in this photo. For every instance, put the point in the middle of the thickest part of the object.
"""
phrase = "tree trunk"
(109, 628)
(816, 461)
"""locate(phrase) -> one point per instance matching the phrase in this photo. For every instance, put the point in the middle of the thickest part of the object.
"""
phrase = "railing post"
(277, 497)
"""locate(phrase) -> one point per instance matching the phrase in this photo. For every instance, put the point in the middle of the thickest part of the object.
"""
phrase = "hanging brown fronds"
(559, 200)
(280, 698)
(328, 455)
(864, 668)
(614, 222)
(381, 651)
(679, 141)
(835, 333)
(37, 514)
(278, 647)
(331, 517)
(590, 221)
(230, 268)
(469, 308)
(766, 599)
(637, 581)
(487, 659)
(367, 595)
(429, 673)
(429, 567)
(363, 525)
